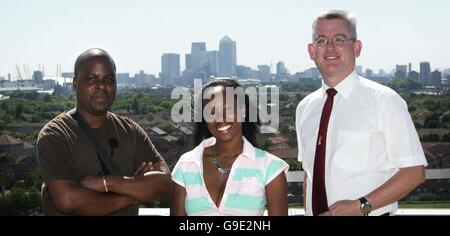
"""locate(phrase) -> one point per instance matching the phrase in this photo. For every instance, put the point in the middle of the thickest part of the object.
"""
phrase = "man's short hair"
(336, 14)
(92, 52)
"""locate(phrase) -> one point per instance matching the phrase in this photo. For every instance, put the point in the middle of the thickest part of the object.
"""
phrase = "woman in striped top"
(225, 174)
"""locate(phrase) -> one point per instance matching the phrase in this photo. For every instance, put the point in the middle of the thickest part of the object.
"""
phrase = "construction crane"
(19, 75)
(29, 74)
(58, 71)
(25, 71)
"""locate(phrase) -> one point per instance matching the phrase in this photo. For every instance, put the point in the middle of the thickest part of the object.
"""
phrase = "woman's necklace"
(219, 167)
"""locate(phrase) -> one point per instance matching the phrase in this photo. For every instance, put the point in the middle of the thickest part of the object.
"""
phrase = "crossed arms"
(89, 197)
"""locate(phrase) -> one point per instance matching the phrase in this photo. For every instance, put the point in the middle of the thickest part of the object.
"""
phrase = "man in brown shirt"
(75, 183)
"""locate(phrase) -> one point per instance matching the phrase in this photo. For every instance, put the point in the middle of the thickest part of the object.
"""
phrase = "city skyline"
(137, 34)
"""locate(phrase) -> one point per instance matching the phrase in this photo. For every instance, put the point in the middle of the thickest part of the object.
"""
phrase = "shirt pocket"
(352, 150)
(251, 186)
(308, 150)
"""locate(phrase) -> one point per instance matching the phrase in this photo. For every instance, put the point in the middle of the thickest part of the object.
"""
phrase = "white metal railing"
(297, 176)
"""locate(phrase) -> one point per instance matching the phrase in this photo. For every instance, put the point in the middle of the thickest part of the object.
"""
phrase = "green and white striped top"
(244, 193)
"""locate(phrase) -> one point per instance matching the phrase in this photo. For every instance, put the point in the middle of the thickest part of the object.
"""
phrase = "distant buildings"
(358, 69)
(38, 77)
(401, 72)
(425, 73)
(436, 78)
(281, 68)
(369, 74)
(170, 68)
(414, 75)
(227, 57)
(203, 64)
(206, 65)
(264, 74)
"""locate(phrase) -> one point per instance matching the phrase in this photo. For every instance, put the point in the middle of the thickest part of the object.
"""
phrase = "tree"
(284, 129)
(135, 106)
(168, 128)
(284, 97)
(446, 118)
(294, 165)
(5, 106)
(432, 121)
(181, 141)
(20, 202)
(445, 137)
(58, 90)
(432, 137)
(19, 111)
(266, 143)
(299, 97)
(47, 98)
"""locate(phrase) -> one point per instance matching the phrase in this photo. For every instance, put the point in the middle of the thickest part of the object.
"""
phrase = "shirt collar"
(196, 155)
(345, 87)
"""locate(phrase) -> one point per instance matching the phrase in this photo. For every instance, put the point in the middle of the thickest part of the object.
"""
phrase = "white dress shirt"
(370, 136)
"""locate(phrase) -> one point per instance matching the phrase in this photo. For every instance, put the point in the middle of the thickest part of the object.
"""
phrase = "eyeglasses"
(337, 41)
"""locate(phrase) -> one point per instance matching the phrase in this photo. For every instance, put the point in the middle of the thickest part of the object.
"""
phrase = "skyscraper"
(425, 73)
(187, 61)
(436, 77)
(401, 71)
(227, 57)
(281, 69)
(264, 73)
(212, 58)
(195, 59)
(170, 68)
(38, 76)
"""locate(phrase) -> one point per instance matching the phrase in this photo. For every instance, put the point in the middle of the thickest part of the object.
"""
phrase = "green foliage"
(25, 95)
(298, 87)
(47, 97)
(19, 111)
(404, 85)
(431, 137)
(299, 97)
(294, 165)
(135, 106)
(266, 143)
(4, 106)
(445, 118)
(181, 141)
(20, 202)
(284, 97)
(33, 107)
(6, 158)
(143, 103)
(432, 121)
(445, 137)
(168, 128)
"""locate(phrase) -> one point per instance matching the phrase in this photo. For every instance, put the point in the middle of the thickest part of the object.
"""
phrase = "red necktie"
(319, 193)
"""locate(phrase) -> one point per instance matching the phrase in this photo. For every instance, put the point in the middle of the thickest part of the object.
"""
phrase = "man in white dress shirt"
(372, 153)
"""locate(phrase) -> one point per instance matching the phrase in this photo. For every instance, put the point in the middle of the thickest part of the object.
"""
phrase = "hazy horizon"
(137, 33)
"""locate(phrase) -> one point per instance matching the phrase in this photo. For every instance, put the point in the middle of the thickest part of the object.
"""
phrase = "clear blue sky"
(137, 32)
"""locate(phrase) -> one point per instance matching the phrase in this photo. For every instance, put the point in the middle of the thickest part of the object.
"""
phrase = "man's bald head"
(88, 54)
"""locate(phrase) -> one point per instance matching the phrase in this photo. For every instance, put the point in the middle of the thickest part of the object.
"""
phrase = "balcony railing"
(297, 176)
(301, 212)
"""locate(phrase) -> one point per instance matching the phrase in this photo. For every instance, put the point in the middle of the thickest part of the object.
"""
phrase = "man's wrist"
(365, 206)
